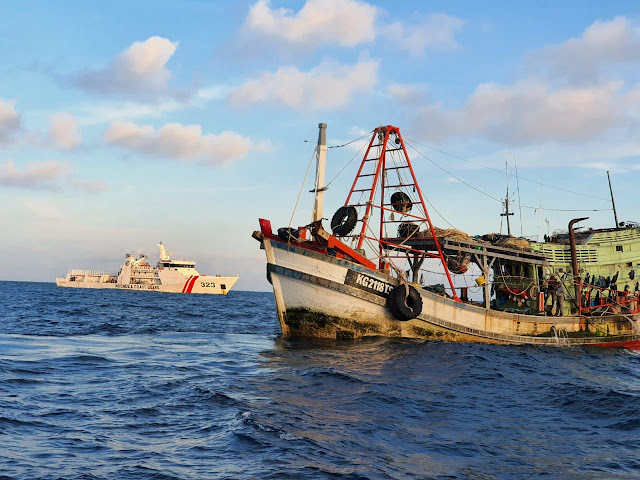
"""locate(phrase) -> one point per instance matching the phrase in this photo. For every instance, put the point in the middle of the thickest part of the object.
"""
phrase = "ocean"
(142, 385)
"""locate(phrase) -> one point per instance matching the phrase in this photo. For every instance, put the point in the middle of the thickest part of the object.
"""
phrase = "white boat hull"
(201, 284)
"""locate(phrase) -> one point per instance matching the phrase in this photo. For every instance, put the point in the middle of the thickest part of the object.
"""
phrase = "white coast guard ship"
(169, 275)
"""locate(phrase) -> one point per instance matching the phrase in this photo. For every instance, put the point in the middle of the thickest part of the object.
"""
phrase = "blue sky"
(122, 124)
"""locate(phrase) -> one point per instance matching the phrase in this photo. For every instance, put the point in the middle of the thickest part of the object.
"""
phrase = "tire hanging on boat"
(287, 234)
(404, 302)
(344, 221)
(401, 202)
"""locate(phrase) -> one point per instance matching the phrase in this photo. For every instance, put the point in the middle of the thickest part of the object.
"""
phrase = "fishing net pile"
(516, 243)
(506, 241)
(449, 233)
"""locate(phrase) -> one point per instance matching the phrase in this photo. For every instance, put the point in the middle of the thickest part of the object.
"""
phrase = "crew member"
(560, 293)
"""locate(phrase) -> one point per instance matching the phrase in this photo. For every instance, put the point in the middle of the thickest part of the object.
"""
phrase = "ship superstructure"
(169, 275)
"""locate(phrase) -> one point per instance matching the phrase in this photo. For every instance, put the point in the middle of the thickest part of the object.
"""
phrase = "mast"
(615, 215)
(506, 212)
(398, 194)
(506, 200)
(321, 160)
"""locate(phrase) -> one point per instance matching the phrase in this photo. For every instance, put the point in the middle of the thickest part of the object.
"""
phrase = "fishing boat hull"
(321, 296)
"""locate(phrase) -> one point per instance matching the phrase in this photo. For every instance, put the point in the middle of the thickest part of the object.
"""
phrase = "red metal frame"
(332, 242)
(380, 171)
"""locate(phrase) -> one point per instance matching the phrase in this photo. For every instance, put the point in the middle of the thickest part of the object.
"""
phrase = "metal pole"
(485, 272)
(615, 215)
(321, 160)
(506, 213)
(577, 280)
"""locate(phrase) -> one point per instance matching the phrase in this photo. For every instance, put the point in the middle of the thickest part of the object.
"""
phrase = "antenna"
(515, 164)
(506, 200)
(615, 215)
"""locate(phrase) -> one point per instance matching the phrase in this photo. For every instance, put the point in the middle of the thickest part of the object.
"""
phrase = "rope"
(352, 141)
(343, 168)
(500, 172)
(301, 189)
(499, 200)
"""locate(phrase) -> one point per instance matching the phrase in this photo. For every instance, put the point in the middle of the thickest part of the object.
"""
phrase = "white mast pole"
(321, 160)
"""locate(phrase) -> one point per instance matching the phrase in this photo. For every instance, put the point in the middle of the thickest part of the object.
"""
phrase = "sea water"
(144, 385)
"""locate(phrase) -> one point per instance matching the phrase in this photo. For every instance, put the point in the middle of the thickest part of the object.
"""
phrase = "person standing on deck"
(551, 292)
(560, 294)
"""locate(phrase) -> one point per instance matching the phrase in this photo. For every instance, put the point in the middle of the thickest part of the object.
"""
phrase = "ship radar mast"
(164, 253)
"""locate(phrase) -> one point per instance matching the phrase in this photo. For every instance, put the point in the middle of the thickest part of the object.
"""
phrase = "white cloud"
(37, 176)
(436, 30)
(330, 85)
(103, 112)
(174, 140)
(139, 70)
(528, 111)
(64, 133)
(319, 22)
(407, 94)
(580, 100)
(45, 210)
(344, 23)
(10, 122)
(47, 175)
(602, 44)
(90, 186)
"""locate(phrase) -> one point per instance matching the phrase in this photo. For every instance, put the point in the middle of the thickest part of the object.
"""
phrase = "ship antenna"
(615, 214)
(506, 200)
(321, 160)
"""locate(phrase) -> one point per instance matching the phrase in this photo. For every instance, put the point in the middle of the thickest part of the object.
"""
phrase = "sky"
(126, 123)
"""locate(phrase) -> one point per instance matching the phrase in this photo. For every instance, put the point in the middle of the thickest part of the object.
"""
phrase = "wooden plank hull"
(321, 296)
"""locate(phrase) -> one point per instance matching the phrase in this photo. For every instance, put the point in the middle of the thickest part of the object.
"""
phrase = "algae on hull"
(304, 322)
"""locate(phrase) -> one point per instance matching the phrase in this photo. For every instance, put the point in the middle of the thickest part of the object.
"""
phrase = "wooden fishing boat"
(563, 291)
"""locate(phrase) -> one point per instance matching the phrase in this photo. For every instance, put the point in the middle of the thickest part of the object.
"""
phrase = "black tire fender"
(344, 221)
(287, 234)
(404, 302)
(401, 202)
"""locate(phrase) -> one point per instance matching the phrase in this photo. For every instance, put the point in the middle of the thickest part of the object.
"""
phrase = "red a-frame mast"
(390, 164)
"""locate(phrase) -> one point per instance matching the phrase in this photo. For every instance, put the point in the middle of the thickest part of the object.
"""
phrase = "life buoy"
(344, 221)
(404, 302)
(533, 292)
(288, 234)
(401, 202)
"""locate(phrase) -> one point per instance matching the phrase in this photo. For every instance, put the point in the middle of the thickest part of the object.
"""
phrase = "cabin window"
(223, 286)
(618, 248)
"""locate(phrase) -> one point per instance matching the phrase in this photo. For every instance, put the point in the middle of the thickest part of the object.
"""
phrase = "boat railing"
(88, 272)
(608, 300)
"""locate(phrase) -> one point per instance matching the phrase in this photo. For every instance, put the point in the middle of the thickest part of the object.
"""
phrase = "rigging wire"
(518, 187)
(347, 164)
(404, 180)
(352, 141)
(499, 200)
(500, 172)
(301, 189)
